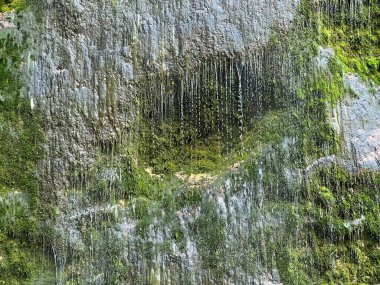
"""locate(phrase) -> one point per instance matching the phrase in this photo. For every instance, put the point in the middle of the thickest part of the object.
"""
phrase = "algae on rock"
(191, 143)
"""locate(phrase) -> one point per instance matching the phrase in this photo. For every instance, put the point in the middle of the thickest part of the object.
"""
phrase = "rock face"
(86, 80)
(5, 22)
(91, 52)
(6, 25)
(357, 119)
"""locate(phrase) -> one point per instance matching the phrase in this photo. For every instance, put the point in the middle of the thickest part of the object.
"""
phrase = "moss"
(355, 38)
(337, 236)
(211, 235)
(189, 197)
(326, 196)
(289, 264)
(8, 5)
(22, 264)
(21, 138)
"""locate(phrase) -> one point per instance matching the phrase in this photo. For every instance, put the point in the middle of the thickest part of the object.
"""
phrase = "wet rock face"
(5, 22)
(357, 118)
(86, 82)
(92, 52)
(175, 27)
(85, 78)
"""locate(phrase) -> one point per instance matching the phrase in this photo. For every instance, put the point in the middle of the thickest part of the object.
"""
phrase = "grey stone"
(356, 118)
(89, 54)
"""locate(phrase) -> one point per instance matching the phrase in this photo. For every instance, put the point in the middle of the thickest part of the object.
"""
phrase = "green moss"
(21, 138)
(289, 267)
(22, 264)
(338, 241)
(326, 196)
(355, 38)
(210, 229)
(8, 5)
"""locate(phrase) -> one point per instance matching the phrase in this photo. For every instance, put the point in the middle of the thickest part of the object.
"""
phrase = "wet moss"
(354, 34)
(21, 264)
(21, 139)
(210, 229)
(8, 5)
(337, 239)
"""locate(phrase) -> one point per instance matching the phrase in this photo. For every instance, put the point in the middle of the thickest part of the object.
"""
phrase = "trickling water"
(188, 142)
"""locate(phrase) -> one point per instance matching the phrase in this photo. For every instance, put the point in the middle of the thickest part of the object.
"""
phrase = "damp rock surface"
(189, 142)
(357, 119)
(91, 53)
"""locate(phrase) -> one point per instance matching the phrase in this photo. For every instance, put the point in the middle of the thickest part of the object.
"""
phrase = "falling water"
(198, 142)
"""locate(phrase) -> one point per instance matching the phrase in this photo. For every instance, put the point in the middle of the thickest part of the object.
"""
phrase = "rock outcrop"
(356, 119)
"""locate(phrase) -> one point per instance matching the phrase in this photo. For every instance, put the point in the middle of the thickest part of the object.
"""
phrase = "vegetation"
(9, 5)
(21, 138)
(188, 140)
(354, 33)
(338, 243)
(332, 230)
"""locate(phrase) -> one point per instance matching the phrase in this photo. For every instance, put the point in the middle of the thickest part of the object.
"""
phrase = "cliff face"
(195, 142)
(87, 81)
(93, 53)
